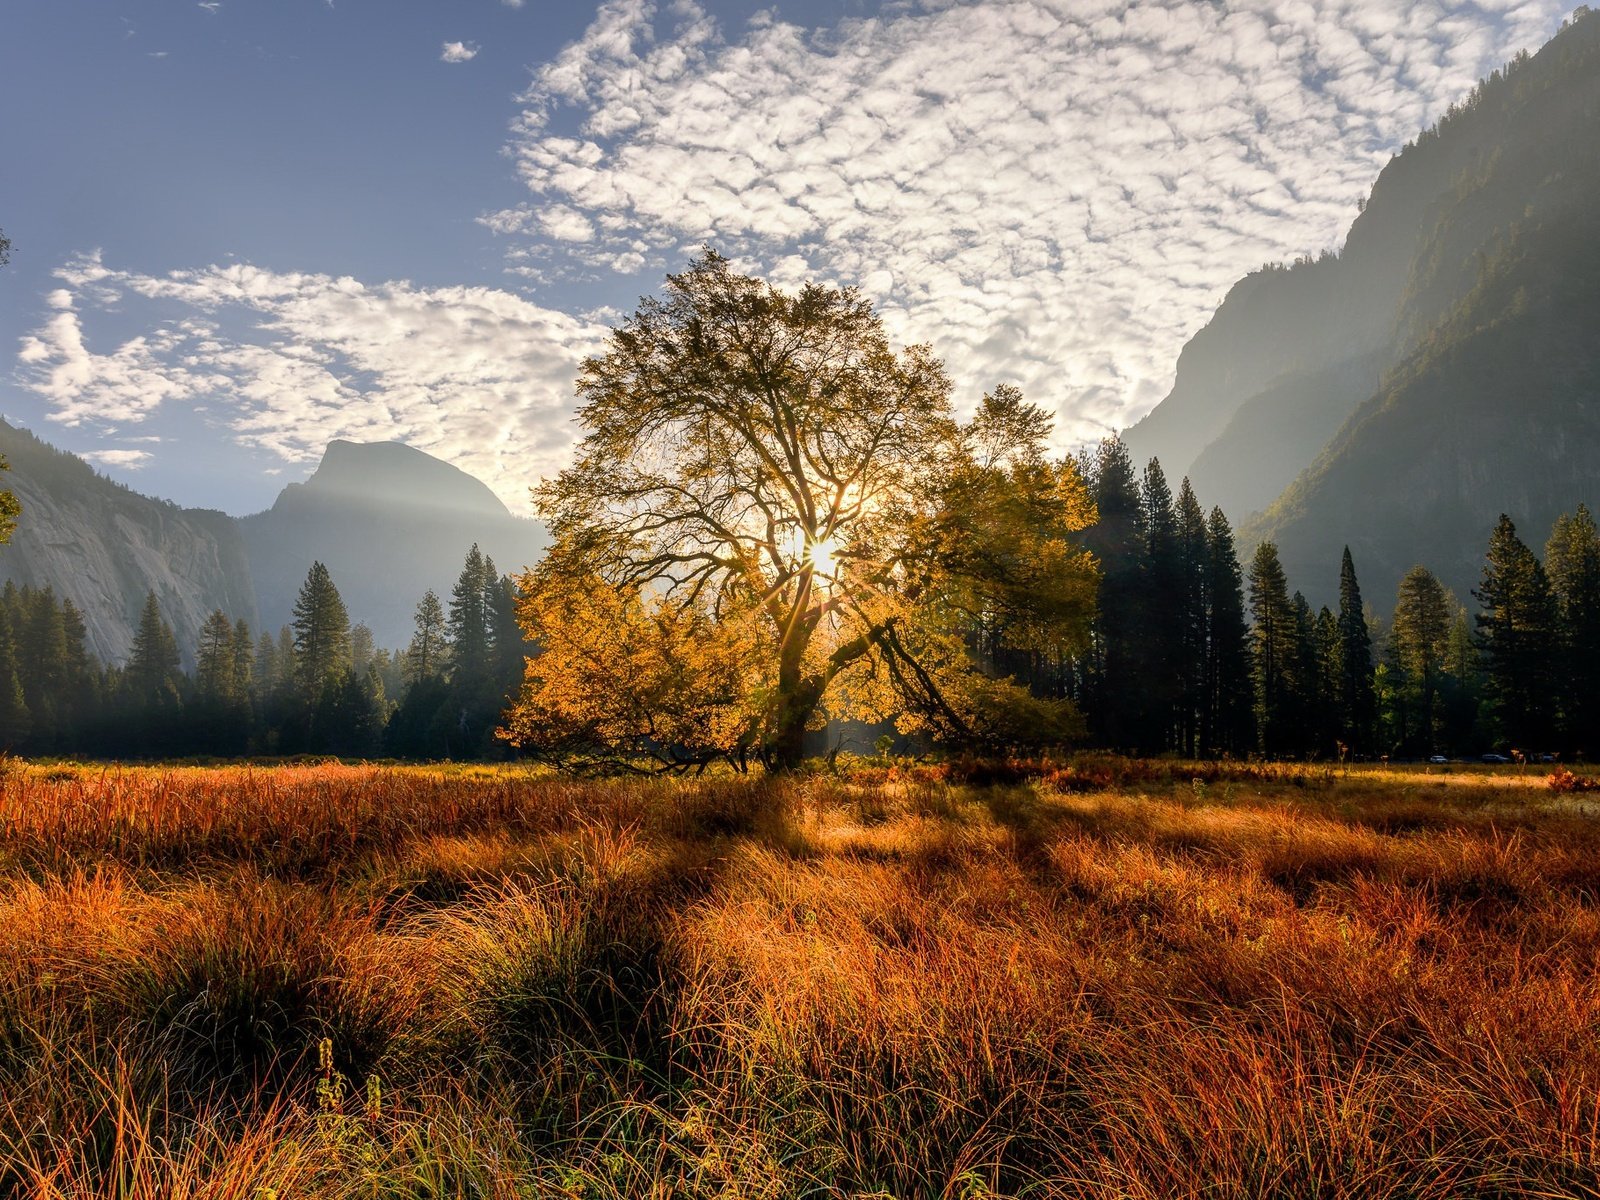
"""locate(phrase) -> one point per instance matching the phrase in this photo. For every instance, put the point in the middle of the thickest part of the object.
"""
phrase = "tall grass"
(1093, 979)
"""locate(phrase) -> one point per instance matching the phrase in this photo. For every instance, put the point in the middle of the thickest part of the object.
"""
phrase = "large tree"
(321, 634)
(765, 483)
(1275, 652)
(1419, 642)
(1518, 627)
(1572, 560)
(1358, 705)
(1227, 720)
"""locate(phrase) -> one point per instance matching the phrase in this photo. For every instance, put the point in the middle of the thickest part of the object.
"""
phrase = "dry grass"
(1099, 980)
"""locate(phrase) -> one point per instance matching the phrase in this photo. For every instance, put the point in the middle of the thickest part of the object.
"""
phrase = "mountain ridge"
(389, 521)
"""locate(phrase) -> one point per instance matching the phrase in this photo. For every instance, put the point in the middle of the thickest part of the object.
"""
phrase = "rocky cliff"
(106, 547)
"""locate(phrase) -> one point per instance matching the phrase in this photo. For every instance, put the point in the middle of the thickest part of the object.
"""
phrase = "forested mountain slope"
(105, 548)
(1445, 310)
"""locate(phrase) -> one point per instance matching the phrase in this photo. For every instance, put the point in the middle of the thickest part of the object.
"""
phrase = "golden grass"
(1110, 980)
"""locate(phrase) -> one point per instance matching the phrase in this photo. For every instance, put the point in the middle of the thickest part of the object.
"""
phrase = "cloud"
(458, 52)
(1053, 193)
(130, 460)
(290, 361)
(211, 6)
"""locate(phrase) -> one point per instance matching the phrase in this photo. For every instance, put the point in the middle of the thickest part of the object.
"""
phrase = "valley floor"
(1113, 979)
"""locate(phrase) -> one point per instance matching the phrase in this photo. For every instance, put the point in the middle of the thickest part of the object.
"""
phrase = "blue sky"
(242, 228)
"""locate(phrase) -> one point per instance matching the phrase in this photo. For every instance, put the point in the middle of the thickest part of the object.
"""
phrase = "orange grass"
(1096, 979)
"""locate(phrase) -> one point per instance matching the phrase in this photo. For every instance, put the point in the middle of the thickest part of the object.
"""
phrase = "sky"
(243, 228)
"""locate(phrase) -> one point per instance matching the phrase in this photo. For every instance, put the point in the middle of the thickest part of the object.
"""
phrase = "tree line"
(1193, 653)
(318, 686)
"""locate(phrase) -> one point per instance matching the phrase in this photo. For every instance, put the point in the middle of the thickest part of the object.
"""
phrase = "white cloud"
(211, 6)
(458, 52)
(130, 460)
(1052, 192)
(290, 361)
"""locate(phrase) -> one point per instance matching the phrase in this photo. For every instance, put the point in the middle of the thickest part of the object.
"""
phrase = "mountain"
(389, 522)
(1439, 370)
(105, 547)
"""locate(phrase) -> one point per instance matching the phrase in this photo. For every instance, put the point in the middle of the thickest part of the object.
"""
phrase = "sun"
(824, 557)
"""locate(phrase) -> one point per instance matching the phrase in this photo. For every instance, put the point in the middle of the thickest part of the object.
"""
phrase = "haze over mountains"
(388, 521)
(1443, 368)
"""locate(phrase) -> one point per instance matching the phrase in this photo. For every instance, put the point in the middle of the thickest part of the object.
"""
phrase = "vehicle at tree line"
(776, 522)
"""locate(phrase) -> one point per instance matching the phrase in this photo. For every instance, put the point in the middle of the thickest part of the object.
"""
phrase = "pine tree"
(153, 675)
(1305, 718)
(41, 654)
(1572, 558)
(1517, 632)
(469, 628)
(1193, 552)
(321, 634)
(1227, 720)
(361, 648)
(1274, 651)
(1419, 642)
(1325, 694)
(425, 657)
(509, 649)
(243, 665)
(15, 722)
(214, 667)
(1356, 699)
(1111, 698)
(1161, 614)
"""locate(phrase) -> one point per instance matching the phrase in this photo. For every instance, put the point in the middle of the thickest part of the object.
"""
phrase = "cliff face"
(389, 522)
(1435, 373)
(105, 548)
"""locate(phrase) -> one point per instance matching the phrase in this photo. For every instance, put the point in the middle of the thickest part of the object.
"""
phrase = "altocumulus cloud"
(478, 376)
(1052, 193)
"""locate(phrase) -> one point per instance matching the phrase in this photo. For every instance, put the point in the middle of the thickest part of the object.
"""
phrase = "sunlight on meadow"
(1107, 978)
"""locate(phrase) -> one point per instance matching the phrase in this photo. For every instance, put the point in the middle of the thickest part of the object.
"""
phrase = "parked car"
(1437, 760)
(1495, 758)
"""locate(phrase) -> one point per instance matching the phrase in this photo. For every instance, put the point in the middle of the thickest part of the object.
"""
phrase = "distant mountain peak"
(394, 474)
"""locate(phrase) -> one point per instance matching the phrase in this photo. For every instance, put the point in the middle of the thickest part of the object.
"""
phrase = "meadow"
(1095, 979)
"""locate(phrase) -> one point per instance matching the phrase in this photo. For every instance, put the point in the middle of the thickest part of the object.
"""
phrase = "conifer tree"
(41, 660)
(1193, 553)
(1325, 692)
(1517, 632)
(509, 649)
(361, 648)
(1227, 718)
(1274, 651)
(243, 664)
(1572, 559)
(469, 627)
(321, 634)
(1305, 702)
(214, 666)
(153, 675)
(1356, 700)
(1419, 642)
(1111, 687)
(425, 657)
(1161, 614)
(15, 722)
